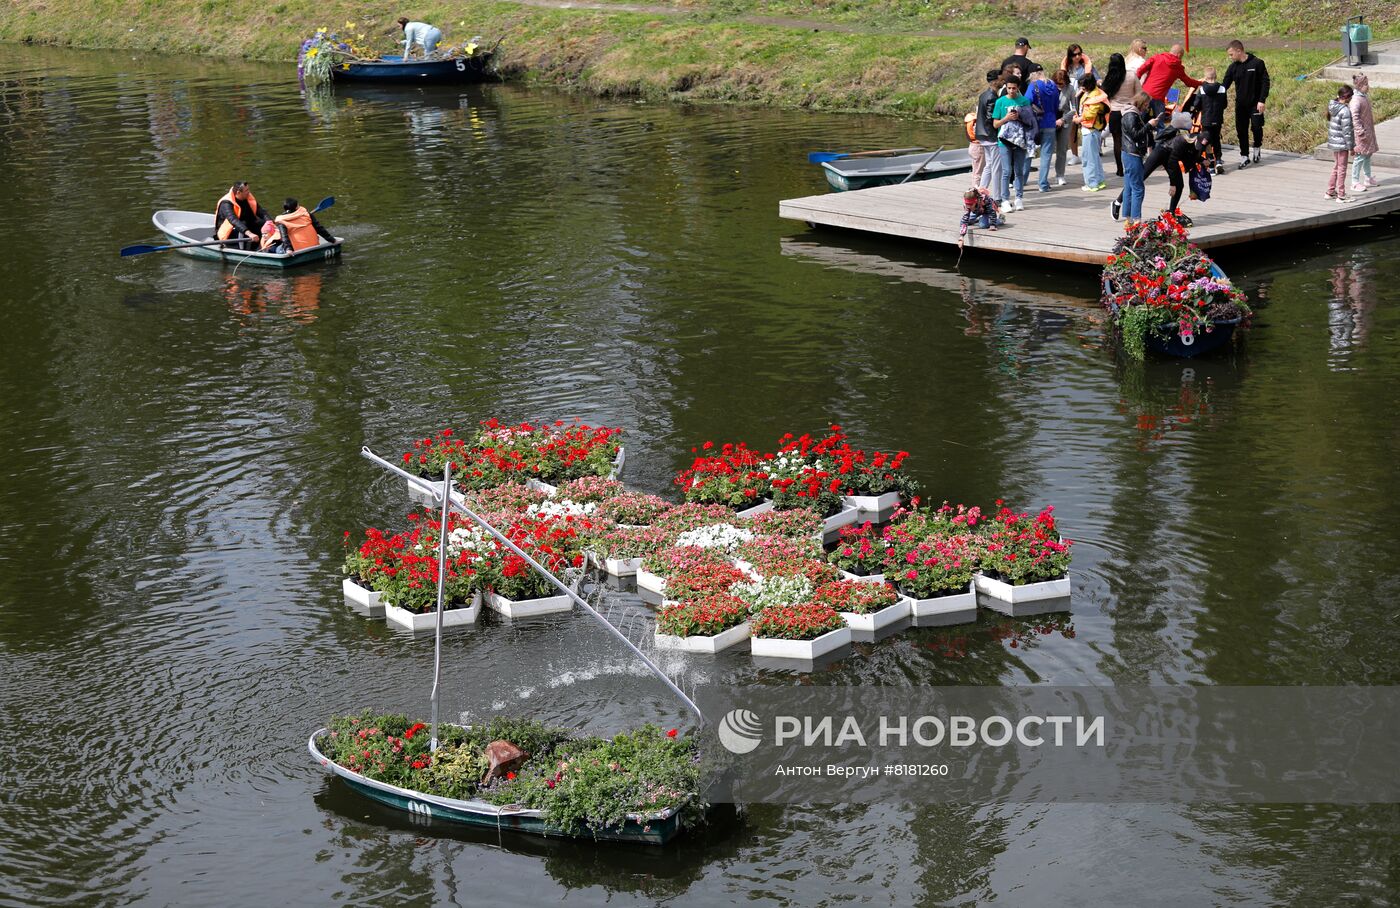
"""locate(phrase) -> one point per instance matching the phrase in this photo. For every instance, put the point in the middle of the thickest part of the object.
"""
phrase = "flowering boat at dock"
(1166, 296)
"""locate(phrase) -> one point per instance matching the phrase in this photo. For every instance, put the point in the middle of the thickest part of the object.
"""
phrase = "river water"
(182, 460)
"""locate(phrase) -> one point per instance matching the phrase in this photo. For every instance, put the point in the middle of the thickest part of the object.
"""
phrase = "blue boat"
(1200, 343)
(395, 69)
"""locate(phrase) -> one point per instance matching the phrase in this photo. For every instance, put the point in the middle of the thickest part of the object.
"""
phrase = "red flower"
(510, 777)
(672, 733)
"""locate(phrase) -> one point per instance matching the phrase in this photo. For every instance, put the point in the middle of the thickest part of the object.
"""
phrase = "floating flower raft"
(719, 577)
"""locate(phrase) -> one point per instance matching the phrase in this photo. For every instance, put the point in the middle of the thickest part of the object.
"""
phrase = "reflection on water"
(184, 461)
(293, 296)
(1349, 309)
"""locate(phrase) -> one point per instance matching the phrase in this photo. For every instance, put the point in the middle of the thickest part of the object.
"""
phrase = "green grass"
(708, 57)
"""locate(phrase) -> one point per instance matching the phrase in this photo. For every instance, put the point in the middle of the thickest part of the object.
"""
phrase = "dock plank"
(1281, 195)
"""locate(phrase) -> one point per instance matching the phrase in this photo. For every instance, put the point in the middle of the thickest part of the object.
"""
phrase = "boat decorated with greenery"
(642, 786)
(1165, 295)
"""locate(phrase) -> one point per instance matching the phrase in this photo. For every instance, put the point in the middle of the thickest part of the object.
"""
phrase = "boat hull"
(656, 830)
(456, 70)
(194, 227)
(851, 174)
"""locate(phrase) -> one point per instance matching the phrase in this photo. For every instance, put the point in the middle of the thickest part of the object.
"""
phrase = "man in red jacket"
(1160, 73)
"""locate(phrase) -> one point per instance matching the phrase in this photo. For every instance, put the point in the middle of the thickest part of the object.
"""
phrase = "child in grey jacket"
(1341, 139)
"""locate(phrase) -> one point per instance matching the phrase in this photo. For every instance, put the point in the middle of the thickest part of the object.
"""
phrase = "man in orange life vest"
(238, 215)
(297, 229)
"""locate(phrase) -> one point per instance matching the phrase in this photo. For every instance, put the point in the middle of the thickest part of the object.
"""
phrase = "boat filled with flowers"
(516, 774)
(1165, 295)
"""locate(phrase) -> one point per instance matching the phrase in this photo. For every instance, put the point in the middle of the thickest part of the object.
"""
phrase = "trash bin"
(1356, 40)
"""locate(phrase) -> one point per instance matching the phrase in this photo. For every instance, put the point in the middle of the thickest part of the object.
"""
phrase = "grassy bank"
(1313, 19)
(704, 56)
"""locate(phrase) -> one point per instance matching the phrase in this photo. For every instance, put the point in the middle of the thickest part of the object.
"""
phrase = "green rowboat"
(196, 227)
(656, 829)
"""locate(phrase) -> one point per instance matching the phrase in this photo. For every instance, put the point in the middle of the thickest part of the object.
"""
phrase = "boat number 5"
(461, 66)
(418, 808)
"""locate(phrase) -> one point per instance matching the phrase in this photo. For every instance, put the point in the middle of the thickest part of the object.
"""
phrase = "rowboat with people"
(191, 233)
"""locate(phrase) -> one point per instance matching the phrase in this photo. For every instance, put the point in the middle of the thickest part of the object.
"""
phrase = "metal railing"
(453, 500)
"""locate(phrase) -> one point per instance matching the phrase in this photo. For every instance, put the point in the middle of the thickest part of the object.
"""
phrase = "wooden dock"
(1281, 195)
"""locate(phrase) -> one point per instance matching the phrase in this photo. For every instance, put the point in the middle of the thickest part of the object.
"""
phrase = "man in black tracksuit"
(1250, 77)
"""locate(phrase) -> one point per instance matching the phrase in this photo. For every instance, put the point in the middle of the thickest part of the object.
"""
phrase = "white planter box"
(616, 567)
(1026, 592)
(959, 608)
(617, 463)
(872, 504)
(526, 608)
(831, 526)
(763, 507)
(650, 582)
(801, 649)
(880, 620)
(428, 621)
(862, 578)
(541, 486)
(365, 599)
(418, 495)
(698, 644)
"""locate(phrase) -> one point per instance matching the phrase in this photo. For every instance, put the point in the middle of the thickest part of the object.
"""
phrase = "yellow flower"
(349, 23)
(312, 52)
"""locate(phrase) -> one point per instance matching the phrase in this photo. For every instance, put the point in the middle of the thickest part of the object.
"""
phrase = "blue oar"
(327, 202)
(821, 157)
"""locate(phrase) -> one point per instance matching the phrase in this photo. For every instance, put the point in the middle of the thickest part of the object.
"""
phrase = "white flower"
(464, 539)
(562, 508)
(718, 536)
(791, 465)
(779, 591)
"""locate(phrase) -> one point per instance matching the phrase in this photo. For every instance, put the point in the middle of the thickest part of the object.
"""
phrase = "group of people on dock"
(239, 219)
(1062, 117)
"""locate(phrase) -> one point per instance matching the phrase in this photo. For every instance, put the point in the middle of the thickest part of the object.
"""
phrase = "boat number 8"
(461, 67)
(420, 809)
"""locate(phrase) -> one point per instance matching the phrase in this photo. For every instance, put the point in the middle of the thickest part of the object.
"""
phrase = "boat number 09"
(418, 808)
(461, 66)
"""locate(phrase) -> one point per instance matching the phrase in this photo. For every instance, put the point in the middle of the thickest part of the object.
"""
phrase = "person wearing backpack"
(1092, 117)
(1208, 107)
(1045, 104)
